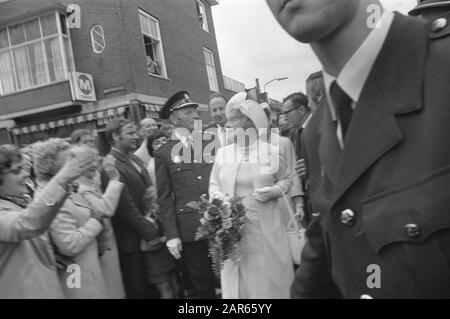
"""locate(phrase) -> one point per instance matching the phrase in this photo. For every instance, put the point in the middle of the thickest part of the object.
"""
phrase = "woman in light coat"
(27, 262)
(75, 228)
(256, 172)
(105, 202)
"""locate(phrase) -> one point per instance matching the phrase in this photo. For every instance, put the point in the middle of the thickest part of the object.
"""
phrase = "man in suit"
(431, 10)
(217, 103)
(315, 91)
(182, 176)
(377, 161)
(130, 225)
(296, 113)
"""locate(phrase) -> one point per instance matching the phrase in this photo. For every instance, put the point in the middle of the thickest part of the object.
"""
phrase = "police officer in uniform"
(182, 176)
(376, 152)
(431, 10)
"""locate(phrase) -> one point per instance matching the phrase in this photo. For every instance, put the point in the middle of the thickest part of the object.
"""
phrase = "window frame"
(65, 53)
(158, 39)
(211, 53)
(205, 25)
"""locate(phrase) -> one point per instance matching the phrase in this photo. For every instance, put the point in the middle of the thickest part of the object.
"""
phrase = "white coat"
(269, 271)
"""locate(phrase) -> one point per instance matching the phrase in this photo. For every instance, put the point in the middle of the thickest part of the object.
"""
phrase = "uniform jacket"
(27, 262)
(130, 225)
(181, 179)
(393, 175)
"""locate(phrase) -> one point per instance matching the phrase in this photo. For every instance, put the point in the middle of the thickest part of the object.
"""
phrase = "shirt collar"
(354, 74)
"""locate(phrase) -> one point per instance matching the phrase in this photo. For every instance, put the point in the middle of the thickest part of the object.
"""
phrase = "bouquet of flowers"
(222, 223)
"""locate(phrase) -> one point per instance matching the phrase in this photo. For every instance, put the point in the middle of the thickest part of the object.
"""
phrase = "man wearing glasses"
(296, 114)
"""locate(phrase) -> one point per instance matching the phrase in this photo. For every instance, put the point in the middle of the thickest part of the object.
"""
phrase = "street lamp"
(277, 79)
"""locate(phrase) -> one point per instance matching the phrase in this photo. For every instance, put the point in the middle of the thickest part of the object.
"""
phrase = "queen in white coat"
(254, 170)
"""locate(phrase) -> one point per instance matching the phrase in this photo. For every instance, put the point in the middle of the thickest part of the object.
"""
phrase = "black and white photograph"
(245, 151)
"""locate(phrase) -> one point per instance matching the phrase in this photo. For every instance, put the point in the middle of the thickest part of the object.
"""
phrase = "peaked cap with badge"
(176, 102)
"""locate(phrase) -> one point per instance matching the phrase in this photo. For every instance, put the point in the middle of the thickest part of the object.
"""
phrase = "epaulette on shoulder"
(439, 27)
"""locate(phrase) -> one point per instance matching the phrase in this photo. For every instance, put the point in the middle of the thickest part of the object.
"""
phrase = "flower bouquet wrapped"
(222, 224)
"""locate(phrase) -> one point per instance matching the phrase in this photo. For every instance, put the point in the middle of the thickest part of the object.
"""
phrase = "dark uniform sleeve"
(128, 214)
(313, 278)
(165, 199)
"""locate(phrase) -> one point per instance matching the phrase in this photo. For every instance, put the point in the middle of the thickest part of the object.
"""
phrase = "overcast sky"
(253, 45)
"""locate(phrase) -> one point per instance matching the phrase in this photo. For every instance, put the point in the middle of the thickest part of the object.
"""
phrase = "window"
(35, 53)
(97, 39)
(211, 70)
(153, 45)
(201, 10)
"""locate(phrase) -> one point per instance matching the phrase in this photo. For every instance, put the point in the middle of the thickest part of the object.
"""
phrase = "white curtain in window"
(6, 73)
(57, 59)
(39, 62)
(69, 56)
(22, 67)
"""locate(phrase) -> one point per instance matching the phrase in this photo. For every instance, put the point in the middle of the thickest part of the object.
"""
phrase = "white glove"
(267, 193)
(174, 246)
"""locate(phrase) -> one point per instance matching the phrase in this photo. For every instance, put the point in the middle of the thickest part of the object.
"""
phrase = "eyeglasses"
(301, 108)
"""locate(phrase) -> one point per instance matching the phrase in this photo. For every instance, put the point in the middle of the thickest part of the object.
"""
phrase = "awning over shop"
(102, 118)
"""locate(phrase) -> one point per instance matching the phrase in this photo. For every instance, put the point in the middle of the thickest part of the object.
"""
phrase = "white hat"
(252, 109)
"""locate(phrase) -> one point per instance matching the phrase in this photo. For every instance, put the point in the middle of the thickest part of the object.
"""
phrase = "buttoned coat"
(106, 203)
(382, 220)
(268, 244)
(74, 233)
(181, 177)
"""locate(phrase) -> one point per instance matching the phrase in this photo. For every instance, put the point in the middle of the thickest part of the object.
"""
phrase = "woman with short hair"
(27, 262)
(105, 202)
(75, 228)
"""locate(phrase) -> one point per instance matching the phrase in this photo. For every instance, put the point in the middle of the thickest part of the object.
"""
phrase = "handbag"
(296, 234)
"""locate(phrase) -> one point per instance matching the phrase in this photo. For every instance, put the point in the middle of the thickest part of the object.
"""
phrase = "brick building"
(66, 64)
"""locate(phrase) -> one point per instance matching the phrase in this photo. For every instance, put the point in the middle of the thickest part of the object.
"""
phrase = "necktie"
(342, 104)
